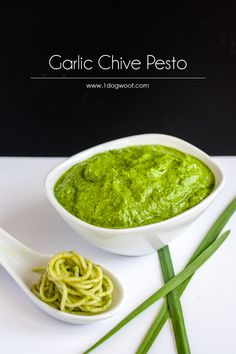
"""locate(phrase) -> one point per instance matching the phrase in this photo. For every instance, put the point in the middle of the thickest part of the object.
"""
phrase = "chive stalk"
(169, 286)
(174, 304)
(163, 314)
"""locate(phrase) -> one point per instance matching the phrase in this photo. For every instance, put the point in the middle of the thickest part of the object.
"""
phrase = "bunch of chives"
(174, 287)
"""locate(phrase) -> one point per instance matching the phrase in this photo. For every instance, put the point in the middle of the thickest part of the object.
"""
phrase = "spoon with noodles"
(66, 286)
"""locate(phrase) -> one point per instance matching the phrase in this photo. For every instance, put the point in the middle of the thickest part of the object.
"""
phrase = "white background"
(209, 302)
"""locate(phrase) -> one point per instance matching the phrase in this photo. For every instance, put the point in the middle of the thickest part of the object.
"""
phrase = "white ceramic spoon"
(18, 261)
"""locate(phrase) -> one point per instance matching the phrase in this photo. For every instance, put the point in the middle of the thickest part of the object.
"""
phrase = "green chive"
(169, 286)
(163, 314)
(174, 304)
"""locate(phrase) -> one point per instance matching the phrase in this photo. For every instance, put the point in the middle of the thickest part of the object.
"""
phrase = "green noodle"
(72, 283)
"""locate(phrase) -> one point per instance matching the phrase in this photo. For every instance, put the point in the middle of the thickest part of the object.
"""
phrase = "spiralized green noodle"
(72, 283)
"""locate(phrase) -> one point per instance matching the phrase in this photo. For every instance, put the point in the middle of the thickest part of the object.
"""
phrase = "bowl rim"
(69, 162)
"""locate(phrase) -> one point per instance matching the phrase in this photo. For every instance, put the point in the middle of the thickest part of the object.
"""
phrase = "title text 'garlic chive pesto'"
(133, 186)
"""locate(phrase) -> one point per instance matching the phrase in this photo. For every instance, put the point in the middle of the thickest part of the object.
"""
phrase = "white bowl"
(140, 240)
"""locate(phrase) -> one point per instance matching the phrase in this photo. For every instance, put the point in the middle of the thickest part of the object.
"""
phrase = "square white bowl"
(140, 240)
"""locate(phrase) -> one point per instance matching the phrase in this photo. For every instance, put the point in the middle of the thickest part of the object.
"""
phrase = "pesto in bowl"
(134, 186)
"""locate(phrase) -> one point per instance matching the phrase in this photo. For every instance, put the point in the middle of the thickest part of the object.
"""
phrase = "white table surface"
(209, 302)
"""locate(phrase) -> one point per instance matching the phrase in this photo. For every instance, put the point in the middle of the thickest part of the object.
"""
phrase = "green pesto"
(133, 186)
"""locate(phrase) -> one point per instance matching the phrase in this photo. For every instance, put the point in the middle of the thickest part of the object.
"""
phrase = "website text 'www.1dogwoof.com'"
(117, 86)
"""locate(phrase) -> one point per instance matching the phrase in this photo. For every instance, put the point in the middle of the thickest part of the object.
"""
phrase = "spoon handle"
(15, 254)
(10, 251)
(10, 247)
